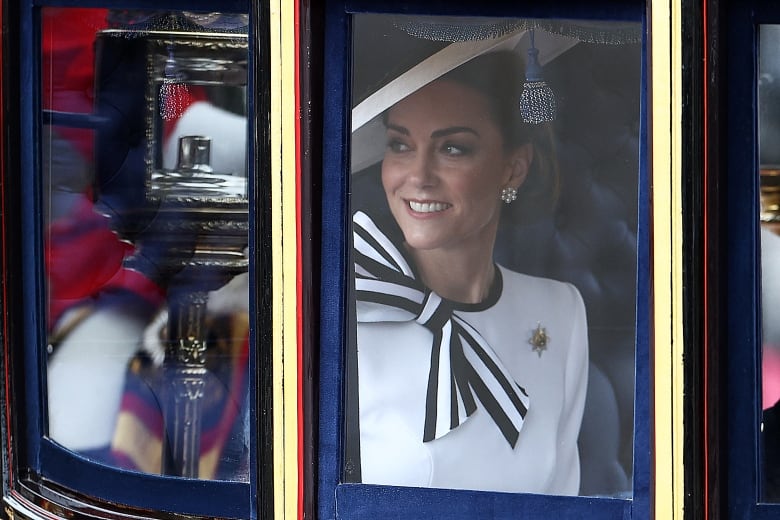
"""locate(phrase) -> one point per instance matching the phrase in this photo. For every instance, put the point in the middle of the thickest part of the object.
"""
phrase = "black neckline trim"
(496, 288)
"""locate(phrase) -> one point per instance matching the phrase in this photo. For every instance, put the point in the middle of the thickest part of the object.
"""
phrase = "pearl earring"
(508, 195)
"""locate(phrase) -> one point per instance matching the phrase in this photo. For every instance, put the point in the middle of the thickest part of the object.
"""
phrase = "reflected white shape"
(770, 286)
(226, 130)
(231, 298)
(86, 376)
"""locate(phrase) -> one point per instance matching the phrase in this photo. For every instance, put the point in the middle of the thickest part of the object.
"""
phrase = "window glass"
(144, 188)
(769, 161)
(494, 186)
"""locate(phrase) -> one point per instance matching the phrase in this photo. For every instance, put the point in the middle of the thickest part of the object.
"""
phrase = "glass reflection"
(452, 120)
(769, 157)
(145, 206)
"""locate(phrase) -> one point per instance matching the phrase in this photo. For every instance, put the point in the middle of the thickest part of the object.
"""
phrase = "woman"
(470, 376)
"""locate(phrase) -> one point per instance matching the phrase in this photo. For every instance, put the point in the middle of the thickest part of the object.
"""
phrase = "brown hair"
(498, 77)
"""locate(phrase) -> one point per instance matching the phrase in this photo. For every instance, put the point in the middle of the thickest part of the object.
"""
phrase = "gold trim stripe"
(667, 344)
(284, 254)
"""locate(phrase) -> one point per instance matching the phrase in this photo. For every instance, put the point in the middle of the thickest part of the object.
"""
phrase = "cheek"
(483, 189)
(385, 177)
(486, 202)
(392, 176)
(479, 185)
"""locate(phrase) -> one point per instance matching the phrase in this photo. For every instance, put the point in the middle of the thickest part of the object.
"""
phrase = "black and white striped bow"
(463, 365)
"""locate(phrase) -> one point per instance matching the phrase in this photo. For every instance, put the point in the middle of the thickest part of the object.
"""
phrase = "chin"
(421, 243)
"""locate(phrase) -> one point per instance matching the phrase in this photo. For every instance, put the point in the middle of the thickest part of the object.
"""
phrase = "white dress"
(393, 366)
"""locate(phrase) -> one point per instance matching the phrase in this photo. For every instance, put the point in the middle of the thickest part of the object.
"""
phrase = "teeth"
(428, 207)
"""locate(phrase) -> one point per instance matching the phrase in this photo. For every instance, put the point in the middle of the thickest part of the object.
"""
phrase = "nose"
(422, 170)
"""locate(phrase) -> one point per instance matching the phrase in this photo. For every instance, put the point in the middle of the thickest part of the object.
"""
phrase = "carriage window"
(494, 240)
(769, 161)
(145, 171)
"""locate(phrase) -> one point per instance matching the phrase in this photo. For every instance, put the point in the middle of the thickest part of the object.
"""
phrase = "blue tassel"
(537, 101)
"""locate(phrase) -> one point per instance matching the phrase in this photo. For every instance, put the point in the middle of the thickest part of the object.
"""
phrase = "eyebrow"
(443, 132)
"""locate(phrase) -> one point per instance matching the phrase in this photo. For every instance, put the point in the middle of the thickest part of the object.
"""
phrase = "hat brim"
(435, 61)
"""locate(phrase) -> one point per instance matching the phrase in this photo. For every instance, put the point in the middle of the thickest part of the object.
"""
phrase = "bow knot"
(464, 369)
(435, 312)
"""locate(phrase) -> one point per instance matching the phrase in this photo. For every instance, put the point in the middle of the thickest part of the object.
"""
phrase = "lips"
(428, 207)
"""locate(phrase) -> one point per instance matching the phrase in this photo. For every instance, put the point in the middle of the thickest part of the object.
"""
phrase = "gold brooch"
(539, 339)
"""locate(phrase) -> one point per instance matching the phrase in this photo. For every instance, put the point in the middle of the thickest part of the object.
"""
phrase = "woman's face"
(444, 167)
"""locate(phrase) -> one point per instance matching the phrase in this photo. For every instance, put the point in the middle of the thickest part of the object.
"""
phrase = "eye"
(455, 150)
(397, 146)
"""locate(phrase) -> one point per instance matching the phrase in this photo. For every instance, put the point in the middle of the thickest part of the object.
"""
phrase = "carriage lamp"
(186, 212)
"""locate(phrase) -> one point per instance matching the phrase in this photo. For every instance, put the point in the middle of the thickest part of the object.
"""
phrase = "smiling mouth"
(428, 207)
